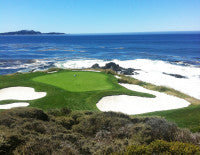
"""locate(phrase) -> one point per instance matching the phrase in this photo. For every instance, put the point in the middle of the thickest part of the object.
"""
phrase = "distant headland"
(30, 32)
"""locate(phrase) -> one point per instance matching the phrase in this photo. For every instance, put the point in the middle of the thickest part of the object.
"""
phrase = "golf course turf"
(77, 81)
(76, 90)
(81, 90)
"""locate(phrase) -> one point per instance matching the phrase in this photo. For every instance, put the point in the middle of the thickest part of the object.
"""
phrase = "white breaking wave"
(152, 72)
(34, 65)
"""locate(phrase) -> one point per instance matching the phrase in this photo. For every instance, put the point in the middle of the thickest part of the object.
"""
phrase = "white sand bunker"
(52, 72)
(20, 93)
(138, 105)
(14, 105)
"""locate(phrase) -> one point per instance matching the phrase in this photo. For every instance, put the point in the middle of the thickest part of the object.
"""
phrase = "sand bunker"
(14, 105)
(52, 72)
(138, 105)
(20, 93)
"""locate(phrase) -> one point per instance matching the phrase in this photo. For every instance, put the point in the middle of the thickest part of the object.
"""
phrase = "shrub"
(36, 126)
(30, 131)
(66, 122)
(163, 147)
(184, 135)
(45, 145)
(26, 113)
(162, 129)
(9, 141)
(59, 112)
(109, 121)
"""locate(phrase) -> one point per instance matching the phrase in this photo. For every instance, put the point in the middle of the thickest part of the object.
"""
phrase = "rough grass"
(59, 96)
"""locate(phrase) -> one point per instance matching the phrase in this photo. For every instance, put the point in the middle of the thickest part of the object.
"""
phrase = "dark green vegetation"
(32, 131)
(81, 92)
(188, 117)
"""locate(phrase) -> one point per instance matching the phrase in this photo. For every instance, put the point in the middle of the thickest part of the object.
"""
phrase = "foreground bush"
(32, 131)
(163, 147)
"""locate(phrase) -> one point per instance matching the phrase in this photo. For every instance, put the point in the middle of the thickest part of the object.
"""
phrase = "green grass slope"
(64, 90)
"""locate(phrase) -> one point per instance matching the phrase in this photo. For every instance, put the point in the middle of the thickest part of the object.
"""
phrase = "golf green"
(76, 81)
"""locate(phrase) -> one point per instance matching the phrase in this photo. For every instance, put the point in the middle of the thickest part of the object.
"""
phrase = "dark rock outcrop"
(128, 71)
(115, 67)
(95, 66)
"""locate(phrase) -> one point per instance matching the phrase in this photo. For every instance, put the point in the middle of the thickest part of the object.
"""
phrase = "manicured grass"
(77, 81)
(64, 90)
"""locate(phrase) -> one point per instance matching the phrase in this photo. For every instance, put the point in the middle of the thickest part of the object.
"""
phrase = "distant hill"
(28, 32)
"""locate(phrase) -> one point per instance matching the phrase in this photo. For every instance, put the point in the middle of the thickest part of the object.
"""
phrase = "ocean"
(158, 56)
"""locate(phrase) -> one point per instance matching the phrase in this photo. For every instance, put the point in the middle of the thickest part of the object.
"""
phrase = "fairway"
(75, 81)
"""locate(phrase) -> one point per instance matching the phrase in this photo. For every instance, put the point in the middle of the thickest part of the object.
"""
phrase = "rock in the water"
(128, 71)
(113, 66)
(95, 66)
(176, 75)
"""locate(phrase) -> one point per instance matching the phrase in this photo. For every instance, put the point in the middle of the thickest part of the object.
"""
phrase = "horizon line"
(91, 33)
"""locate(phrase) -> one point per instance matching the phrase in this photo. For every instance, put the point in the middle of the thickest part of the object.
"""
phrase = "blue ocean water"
(26, 53)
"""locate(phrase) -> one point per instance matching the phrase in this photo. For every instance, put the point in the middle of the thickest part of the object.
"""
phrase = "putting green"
(77, 81)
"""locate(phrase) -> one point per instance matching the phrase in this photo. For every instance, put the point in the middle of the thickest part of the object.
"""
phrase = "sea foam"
(151, 71)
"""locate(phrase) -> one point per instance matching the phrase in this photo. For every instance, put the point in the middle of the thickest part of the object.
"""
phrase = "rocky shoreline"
(115, 67)
(129, 71)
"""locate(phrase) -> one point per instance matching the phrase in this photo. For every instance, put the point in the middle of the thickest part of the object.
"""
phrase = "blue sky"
(100, 16)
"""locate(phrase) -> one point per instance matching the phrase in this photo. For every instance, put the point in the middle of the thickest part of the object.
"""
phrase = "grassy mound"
(32, 131)
(79, 92)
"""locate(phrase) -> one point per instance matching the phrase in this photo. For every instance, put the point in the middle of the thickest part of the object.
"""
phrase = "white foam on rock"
(151, 72)
(20, 93)
(14, 105)
(137, 105)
